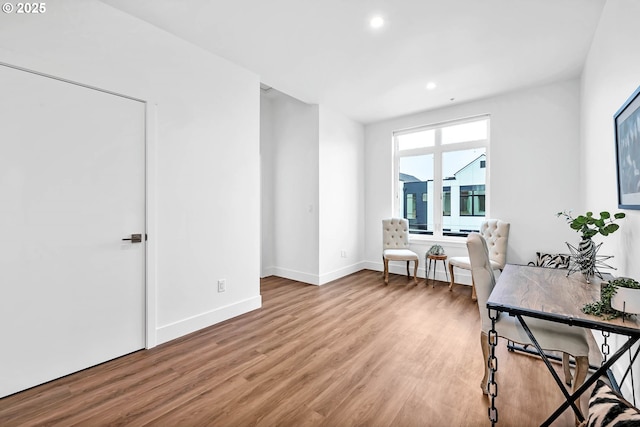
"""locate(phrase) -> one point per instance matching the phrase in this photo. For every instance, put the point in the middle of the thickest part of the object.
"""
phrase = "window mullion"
(437, 185)
(396, 171)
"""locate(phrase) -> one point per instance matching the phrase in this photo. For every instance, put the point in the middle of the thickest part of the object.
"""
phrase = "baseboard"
(463, 277)
(268, 271)
(341, 272)
(313, 279)
(183, 327)
(299, 276)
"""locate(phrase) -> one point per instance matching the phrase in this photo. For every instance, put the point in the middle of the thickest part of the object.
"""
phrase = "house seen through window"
(441, 176)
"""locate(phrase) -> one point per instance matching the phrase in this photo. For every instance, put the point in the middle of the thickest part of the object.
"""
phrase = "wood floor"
(350, 353)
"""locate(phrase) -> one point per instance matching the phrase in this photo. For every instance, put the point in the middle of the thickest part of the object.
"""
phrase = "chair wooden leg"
(408, 275)
(452, 282)
(451, 277)
(415, 271)
(386, 271)
(582, 368)
(566, 368)
(484, 342)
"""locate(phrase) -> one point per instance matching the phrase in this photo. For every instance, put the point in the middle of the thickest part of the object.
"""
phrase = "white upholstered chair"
(552, 336)
(496, 233)
(395, 246)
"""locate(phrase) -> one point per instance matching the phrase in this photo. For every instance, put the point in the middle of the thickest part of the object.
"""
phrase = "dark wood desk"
(549, 294)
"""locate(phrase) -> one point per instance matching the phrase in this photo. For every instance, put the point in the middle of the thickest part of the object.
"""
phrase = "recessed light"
(430, 86)
(376, 22)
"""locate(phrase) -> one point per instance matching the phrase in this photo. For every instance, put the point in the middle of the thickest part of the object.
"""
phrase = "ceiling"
(325, 52)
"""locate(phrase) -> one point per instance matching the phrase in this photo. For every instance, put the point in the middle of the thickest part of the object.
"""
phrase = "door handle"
(135, 238)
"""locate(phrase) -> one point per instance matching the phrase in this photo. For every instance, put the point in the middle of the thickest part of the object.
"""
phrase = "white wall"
(267, 190)
(313, 181)
(205, 159)
(611, 75)
(533, 165)
(292, 149)
(341, 196)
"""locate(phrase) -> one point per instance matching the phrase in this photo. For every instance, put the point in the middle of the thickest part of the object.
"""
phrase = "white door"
(72, 186)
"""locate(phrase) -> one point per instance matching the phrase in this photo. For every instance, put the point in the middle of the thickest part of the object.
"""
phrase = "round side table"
(435, 259)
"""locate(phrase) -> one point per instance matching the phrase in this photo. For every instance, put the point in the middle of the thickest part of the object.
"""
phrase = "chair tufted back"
(395, 233)
(496, 233)
(482, 274)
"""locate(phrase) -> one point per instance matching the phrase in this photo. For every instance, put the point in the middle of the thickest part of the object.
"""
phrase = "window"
(472, 200)
(441, 176)
(446, 201)
(415, 177)
(410, 207)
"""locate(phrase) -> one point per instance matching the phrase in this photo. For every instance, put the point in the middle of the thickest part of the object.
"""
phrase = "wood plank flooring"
(354, 352)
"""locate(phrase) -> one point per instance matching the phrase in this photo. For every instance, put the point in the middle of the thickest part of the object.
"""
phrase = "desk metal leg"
(602, 370)
(492, 363)
(632, 360)
(570, 399)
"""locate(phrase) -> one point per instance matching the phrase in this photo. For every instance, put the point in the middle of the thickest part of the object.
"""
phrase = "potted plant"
(436, 250)
(626, 296)
(620, 296)
(589, 225)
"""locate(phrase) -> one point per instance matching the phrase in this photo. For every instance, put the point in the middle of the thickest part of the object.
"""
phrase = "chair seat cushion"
(399, 255)
(551, 336)
(464, 263)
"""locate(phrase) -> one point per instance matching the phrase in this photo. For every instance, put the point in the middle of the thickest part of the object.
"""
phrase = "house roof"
(404, 177)
(470, 163)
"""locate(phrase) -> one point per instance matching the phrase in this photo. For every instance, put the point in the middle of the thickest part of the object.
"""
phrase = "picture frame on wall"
(627, 137)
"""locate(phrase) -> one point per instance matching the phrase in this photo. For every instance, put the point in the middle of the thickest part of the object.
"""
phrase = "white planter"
(627, 300)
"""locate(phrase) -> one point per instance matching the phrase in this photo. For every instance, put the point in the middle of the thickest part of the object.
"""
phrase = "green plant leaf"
(610, 228)
(624, 282)
(589, 225)
(589, 233)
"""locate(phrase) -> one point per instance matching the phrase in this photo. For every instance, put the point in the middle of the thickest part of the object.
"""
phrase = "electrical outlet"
(222, 285)
(343, 253)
